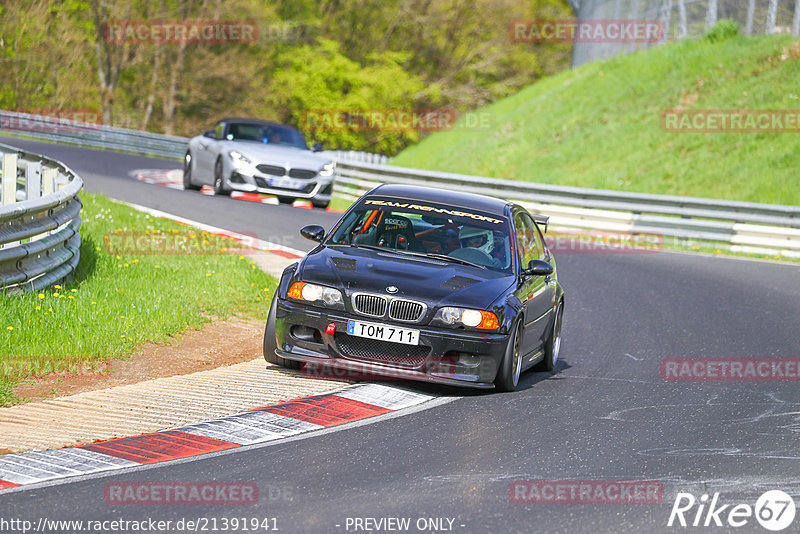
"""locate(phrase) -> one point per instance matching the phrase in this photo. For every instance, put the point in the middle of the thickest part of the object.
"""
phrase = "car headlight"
(456, 317)
(240, 160)
(317, 295)
(328, 169)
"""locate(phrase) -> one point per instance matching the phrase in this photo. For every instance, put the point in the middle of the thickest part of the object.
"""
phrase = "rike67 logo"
(774, 510)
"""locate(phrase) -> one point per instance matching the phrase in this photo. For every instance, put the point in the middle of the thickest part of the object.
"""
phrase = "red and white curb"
(173, 179)
(351, 403)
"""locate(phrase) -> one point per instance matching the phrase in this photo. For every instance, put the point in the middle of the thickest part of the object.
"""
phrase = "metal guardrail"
(355, 156)
(742, 226)
(107, 137)
(39, 221)
(93, 135)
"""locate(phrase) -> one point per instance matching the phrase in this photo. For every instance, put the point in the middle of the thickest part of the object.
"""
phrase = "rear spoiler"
(541, 220)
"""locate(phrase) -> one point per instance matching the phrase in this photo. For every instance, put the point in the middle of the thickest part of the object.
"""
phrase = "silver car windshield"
(265, 133)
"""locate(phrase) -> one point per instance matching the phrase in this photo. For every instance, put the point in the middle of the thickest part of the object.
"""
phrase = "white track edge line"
(260, 244)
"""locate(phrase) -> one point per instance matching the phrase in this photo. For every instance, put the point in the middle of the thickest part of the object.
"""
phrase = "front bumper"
(319, 188)
(444, 356)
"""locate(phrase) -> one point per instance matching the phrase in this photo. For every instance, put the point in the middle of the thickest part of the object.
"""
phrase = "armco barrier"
(736, 226)
(107, 137)
(39, 221)
(741, 226)
(92, 135)
(355, 156)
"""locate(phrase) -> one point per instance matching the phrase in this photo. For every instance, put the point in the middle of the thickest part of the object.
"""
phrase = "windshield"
(266, 133)
(465, 237)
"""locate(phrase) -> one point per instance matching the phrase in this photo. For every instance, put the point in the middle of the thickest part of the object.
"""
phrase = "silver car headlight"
(240, 160)
(328, 169)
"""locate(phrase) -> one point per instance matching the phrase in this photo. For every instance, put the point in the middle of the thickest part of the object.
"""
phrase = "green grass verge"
(599, 125)
(340, 203)
(116, 302)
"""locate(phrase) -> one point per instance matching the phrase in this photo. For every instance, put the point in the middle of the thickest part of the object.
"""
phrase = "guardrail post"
(9, 179)
(61, 182)
(49, 181)
(33, 180)
(33, 188)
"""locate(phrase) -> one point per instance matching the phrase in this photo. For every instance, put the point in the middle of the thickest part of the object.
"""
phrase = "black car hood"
(435, 282)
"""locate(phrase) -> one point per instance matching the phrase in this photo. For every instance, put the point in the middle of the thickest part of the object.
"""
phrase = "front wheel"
(219, 181)
(187, 173)
(270, 343)
(553, 345)
(511, 366)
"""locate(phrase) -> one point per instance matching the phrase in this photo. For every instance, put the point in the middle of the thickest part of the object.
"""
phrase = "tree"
(111, 57)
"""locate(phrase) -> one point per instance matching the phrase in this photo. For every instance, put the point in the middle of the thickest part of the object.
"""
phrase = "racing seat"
(370, 237)
(396, 231)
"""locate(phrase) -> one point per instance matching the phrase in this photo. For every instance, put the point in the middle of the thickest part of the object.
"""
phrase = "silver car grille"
(304, 174)
(398, 309)
(274, 170)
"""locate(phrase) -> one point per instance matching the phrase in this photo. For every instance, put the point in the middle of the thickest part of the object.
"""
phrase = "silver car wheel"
(557, 334)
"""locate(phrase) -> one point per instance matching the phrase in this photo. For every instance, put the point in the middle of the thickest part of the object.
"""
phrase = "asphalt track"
(605, 414)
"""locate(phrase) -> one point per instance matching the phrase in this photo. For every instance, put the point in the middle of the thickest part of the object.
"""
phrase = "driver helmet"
(471, 237)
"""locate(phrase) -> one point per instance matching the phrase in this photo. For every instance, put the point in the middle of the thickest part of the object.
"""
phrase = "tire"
(552, 346)
(320, 203)
(510, 368)
(219, 181)
(187, 174)
(286, 200)
(270, 345)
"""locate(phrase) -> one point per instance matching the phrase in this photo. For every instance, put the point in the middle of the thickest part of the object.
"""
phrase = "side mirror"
(210, 134)
(314, 232)
(538, 268)
(317, 147)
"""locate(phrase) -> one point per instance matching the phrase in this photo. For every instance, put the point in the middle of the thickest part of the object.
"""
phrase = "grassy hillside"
(599, 125)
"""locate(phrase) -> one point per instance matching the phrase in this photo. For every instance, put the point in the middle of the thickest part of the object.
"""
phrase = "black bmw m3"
(422, 284)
